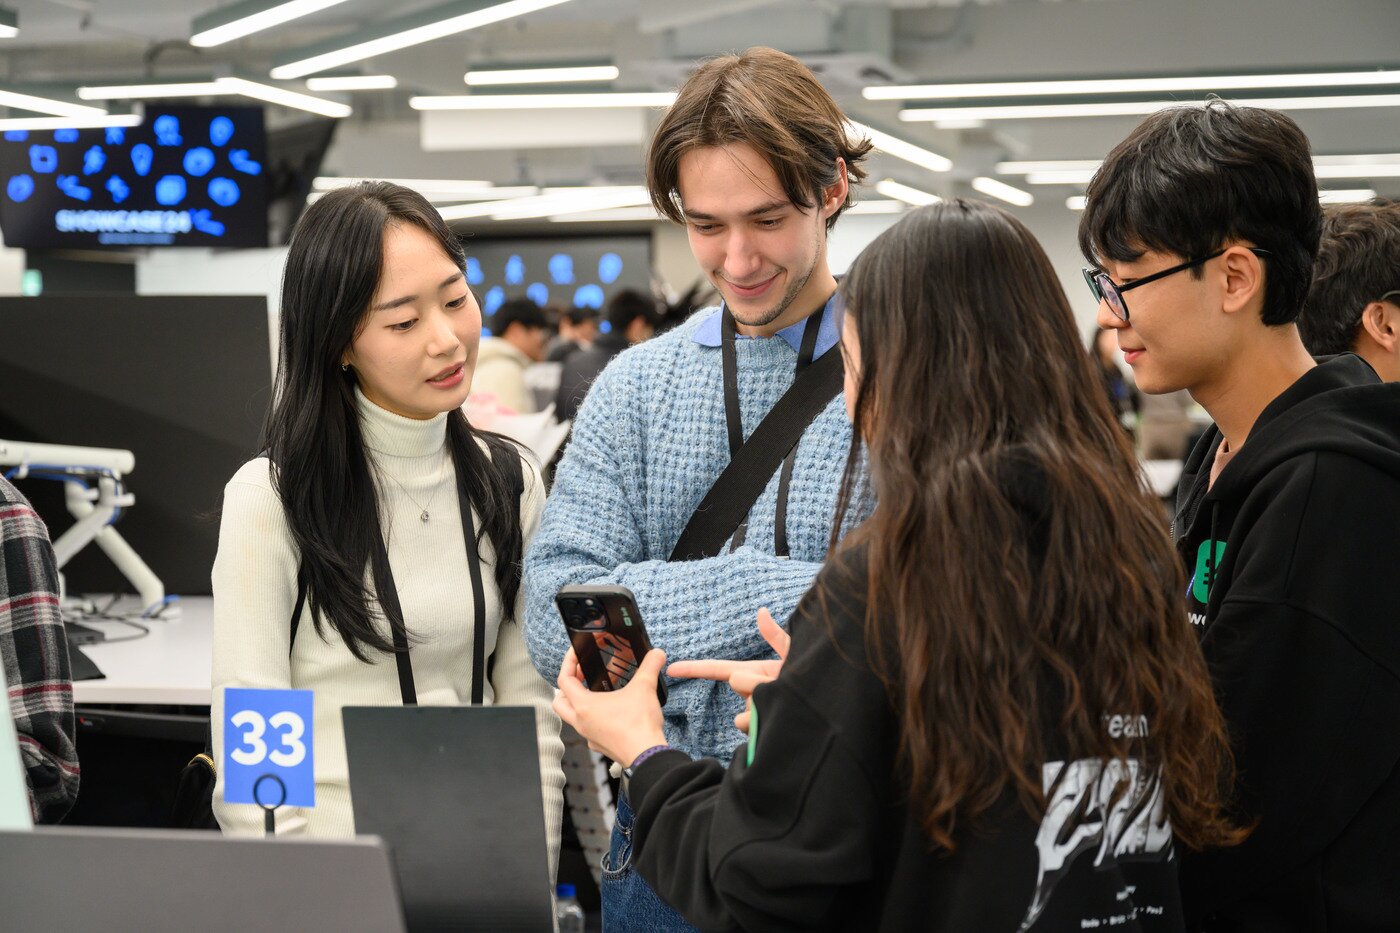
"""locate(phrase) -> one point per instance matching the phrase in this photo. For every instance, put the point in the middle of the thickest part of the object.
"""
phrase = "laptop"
(455, 790)
(174, 881)
(14, 789)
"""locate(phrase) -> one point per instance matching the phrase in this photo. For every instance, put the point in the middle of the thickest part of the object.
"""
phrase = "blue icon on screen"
(93, 160)
(65, 136)
(168, 130)
(538, 293)
(142, 156)
(70, 186)
(589, 296)
(204, 223)
(16, 136)
(494, 299)
(20, 188)
(561, 269)
(240, 161)
(170, 190)
(115, 135)
(198, 161)
(474, 275)
(220, 130)
(224, 192)
(118, 189)
(43, 159)
(609, 268)
(515, 270)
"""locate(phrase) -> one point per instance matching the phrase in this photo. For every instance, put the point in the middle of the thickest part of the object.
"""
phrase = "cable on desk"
(142, 631)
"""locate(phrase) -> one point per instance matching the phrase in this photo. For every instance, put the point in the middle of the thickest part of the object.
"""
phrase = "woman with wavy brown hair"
(993, 714)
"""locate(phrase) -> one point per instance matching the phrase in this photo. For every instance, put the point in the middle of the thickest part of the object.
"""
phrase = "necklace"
(423, 509)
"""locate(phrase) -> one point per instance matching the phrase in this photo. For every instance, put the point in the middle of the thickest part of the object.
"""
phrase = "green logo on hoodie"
(1205, 569)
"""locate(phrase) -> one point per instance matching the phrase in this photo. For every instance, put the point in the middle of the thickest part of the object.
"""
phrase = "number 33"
(295, 749)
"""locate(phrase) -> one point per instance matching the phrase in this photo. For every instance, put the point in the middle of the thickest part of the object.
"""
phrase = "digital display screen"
(578, 272)
(187, 176)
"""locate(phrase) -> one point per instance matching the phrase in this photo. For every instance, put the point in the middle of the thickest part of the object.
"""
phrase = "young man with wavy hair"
(1203, 226)
(1354, 303)
(757, 161)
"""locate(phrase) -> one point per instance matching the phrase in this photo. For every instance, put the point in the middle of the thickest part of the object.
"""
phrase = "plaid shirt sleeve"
(35, 654)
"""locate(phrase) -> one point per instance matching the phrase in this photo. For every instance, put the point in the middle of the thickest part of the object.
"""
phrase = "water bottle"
(568, 912)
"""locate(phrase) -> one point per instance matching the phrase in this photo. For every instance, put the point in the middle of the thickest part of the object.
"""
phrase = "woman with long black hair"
(378, 517)
(993, 714)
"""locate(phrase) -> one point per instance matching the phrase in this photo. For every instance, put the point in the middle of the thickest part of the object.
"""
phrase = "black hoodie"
(1299, 617)
(817, 834)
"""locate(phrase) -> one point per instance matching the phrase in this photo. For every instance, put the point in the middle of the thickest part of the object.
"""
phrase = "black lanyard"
(734, 419)
(389, 602)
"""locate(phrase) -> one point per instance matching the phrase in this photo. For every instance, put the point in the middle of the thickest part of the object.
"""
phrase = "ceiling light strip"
(219, 87)
(563, 75)
(612, 215)
(286, 98)
(1336, 196)
(575, 202)
(1346, 195)
(1136, 108)
(1080, 171)
(1002, 191)
(1096, 86)
(543, 101)
(57, 108)
(71, 123)
(436, 23)
(909, 195)
(900, 148)
(353, 83)
(244, 19)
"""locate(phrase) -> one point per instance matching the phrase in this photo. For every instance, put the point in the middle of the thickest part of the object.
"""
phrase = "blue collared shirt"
(710, 331)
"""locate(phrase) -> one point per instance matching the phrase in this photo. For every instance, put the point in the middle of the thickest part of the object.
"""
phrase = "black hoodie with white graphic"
(811, 828)
(1293, 556)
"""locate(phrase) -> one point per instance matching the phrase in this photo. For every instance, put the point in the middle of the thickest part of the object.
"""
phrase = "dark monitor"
(565, 271)
(294, 156)
(456, 791)
(186, 176)
(182, 382)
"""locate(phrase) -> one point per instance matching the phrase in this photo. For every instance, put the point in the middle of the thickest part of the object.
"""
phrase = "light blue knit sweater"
(647, 445)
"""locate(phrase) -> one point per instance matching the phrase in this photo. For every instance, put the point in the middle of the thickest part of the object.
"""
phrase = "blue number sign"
(268, 732)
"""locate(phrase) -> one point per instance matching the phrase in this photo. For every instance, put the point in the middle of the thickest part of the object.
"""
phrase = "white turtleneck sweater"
(255, 591)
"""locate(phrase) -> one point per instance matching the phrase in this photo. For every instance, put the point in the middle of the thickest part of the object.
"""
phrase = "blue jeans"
(629, 903)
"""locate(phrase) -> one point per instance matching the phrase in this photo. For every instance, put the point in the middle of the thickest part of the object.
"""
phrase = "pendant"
(424, 516)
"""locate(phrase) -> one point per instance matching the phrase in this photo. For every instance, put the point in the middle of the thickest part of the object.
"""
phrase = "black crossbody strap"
(804, 359)
(744, 479)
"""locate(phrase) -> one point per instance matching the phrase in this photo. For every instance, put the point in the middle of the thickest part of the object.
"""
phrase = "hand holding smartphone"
(605, 628)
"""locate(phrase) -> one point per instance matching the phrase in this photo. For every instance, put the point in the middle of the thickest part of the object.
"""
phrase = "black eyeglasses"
(1111, 293)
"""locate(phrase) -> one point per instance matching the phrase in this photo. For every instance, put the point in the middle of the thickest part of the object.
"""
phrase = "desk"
(168, 667)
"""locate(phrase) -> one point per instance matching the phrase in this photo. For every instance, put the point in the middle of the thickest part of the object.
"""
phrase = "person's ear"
(834, 195)
(1243, 285)
(1381, 320)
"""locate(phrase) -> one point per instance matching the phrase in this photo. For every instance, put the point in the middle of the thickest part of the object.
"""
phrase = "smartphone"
(605, 628)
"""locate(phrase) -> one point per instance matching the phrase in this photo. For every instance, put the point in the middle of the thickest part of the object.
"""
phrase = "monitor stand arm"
(94, 510)
(94, 493)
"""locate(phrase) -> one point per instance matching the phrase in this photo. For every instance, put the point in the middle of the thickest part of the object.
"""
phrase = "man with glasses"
(1354, 303)
(1203, 226)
